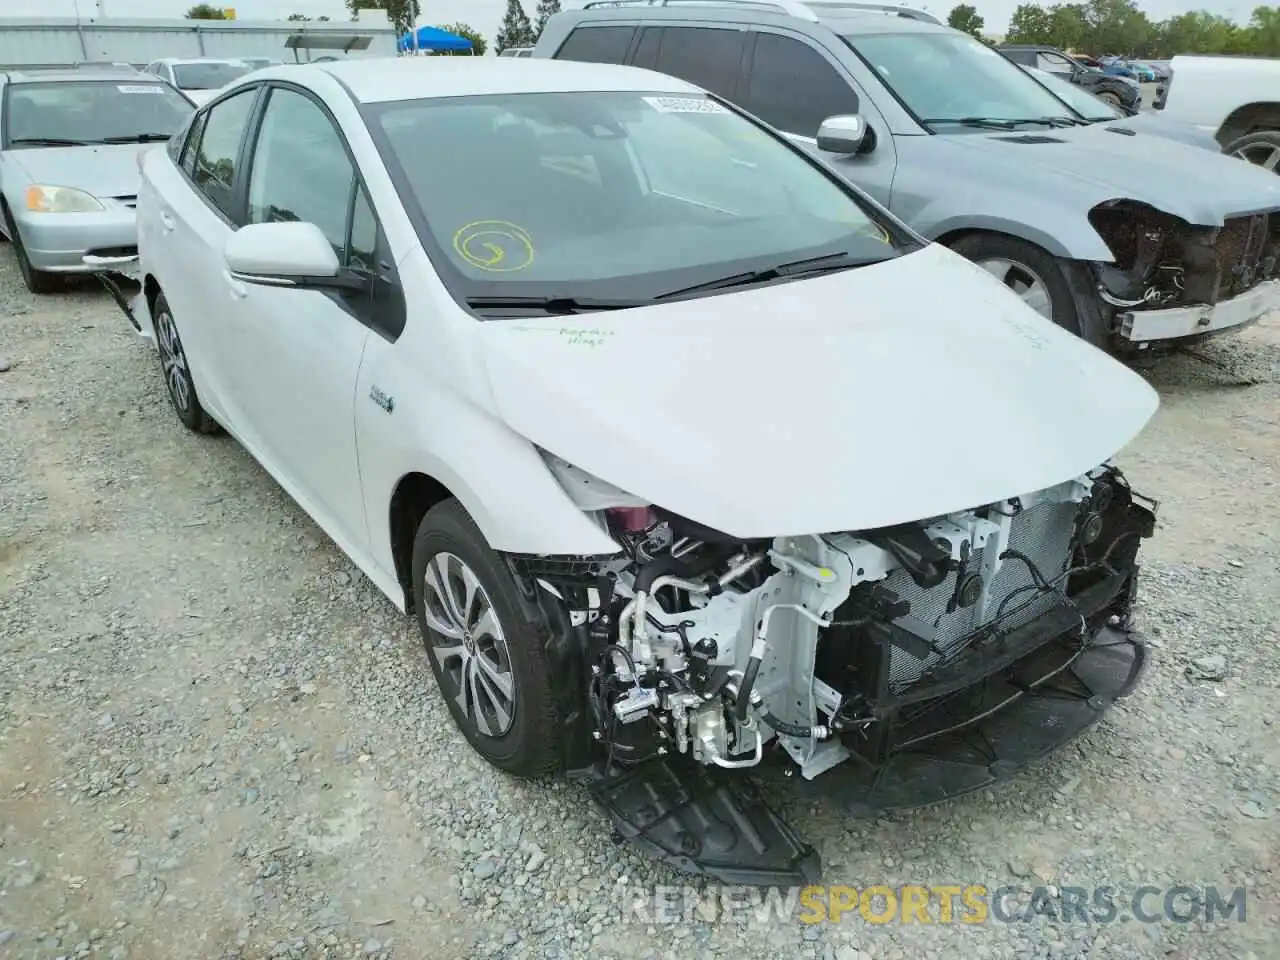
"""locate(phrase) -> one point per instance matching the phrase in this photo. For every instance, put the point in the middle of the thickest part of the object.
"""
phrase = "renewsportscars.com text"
(939, 904)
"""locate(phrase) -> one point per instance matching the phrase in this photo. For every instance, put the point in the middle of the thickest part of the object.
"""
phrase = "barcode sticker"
(684, 105)
(141, 88)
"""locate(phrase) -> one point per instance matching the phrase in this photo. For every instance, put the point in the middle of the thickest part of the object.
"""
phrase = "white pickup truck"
(1237, 99)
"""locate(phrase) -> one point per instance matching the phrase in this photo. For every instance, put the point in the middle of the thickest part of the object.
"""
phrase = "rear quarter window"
(597, 44)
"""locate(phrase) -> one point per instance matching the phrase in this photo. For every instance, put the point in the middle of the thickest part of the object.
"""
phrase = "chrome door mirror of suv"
(846, 134)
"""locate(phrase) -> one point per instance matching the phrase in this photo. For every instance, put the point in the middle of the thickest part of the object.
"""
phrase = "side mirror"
(288, 254)
(848, 134)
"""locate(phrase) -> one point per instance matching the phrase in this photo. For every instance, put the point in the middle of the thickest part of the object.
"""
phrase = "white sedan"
(678, 446)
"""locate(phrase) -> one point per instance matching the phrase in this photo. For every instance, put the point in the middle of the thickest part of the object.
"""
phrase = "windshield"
(93, 111)
(613, 194)
(948, 77)
(207, 76)
(1078, 99)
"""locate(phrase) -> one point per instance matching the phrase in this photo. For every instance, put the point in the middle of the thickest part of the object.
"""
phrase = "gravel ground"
(216, 739)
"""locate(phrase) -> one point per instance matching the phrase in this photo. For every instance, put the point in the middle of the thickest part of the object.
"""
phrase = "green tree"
(516, 30)
(546, 9)
(1263, 33)
(298, 16)
(403, 14)
(966, 18)
(478, 45)
(205, 11)
(1030, 23)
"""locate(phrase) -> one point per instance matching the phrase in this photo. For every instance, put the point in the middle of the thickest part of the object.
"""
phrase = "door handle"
(238, 289)
(166, 222)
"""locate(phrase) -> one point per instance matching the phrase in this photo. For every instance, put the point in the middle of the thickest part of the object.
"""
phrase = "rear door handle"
(166, 222)
(238, 289)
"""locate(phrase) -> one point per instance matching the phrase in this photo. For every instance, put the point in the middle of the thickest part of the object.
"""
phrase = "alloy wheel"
(1264, 155)
(173, 361)
(1023, 281)
(469, 645)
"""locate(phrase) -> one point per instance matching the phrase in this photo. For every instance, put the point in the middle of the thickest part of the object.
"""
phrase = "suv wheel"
(1261, 148)
(1032, 273)
(488, 660)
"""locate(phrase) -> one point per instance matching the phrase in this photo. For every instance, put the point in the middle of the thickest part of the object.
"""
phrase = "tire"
(177, 371)
(1261, 149)
(1025, 262)
(1110, 97)
(476, 668)
(38, 282)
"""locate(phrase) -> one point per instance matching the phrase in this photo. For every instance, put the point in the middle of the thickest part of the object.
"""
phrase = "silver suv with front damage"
(1134, 242)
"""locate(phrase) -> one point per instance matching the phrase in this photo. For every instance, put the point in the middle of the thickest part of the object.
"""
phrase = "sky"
(486, 15)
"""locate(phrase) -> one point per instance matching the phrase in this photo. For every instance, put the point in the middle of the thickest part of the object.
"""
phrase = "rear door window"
(794, 87)
(596, 45)
(216, 163)
(706, 56)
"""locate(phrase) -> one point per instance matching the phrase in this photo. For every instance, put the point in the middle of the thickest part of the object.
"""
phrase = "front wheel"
(488, 660)
(1033, 274)
(1261, 149)
(1108, 96)
(37, 281)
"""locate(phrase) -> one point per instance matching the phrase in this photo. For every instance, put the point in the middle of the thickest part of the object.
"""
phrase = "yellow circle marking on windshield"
(876, 232)
(496, 246)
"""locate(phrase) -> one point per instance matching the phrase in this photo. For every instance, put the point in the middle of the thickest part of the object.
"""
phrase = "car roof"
(179, 61)
(383, 79)
(71, 76)
(847, 20)
(862, 22)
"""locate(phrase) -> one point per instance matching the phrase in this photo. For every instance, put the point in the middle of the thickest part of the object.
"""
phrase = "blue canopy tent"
(433, 39)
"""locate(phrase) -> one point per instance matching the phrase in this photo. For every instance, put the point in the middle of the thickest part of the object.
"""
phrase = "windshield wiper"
(49, 142)
(554, 305)
(999, 123)
(138, 138)
(825, 263)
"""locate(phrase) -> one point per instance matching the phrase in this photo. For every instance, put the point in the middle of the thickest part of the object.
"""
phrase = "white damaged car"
(694, 464)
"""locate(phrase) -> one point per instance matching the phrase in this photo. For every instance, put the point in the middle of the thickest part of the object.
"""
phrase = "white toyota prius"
(689, 459)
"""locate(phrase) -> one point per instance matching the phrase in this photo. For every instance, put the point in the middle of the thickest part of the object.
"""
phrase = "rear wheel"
(177, 371)
(487, 659)
(1261, 148)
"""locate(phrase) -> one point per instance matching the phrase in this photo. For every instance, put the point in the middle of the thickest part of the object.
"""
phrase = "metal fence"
(58, 41)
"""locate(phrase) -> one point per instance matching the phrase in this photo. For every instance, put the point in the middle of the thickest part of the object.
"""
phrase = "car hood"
(1113, 166)
(1155, 125)
(200, 97)
(874, 396)
(108, 170)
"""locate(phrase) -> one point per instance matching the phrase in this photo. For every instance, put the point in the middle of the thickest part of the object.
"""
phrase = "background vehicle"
(1097, 110)
(69, 144)
(517, 52)
(200, 77)
(604, 583)
(1237, 99)
(1116, 89)
(973, 153)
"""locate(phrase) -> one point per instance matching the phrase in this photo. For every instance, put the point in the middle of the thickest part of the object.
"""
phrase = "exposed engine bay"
(1163, 261)
(863, 653)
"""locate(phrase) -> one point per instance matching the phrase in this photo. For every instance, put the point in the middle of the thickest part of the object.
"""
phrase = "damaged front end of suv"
(902, 665)
(1172, 281)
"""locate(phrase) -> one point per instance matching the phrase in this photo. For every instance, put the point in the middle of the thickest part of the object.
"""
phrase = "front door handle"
(166, 222)
(238, 289)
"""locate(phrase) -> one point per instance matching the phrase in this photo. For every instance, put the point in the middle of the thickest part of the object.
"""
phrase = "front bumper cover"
(1176, 323)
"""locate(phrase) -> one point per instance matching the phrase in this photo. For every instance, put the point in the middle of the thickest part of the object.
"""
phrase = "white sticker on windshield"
(684, 105)
(141, 88)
